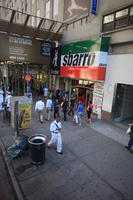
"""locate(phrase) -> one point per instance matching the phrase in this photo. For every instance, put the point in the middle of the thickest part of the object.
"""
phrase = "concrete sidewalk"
(111, 131)
(95, 164)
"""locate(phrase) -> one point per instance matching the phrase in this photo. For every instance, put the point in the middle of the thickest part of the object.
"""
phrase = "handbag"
(128, 130)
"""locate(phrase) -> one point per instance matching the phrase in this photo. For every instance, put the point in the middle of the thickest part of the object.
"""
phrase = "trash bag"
(14, 151)
(23, 142)
(18, 149)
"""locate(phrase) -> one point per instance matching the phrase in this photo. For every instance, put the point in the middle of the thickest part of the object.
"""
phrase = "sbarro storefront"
(83, 65)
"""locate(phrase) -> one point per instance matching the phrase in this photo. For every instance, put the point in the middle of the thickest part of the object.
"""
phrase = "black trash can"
(37, 148)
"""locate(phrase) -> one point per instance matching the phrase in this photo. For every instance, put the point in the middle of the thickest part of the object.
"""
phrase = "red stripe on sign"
(90, 73)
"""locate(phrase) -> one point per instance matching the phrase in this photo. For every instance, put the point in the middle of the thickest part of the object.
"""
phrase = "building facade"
(88, 22)
(118, 89)
(21, 55)
(116, 22)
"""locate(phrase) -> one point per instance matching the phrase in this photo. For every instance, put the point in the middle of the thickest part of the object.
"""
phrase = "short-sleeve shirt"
(80, 108)
(54, 126)
(45, 92)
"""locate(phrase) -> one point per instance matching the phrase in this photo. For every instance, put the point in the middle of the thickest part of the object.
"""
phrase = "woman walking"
(89, 111)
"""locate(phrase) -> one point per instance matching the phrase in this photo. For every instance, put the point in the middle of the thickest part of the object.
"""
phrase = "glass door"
(123, 110)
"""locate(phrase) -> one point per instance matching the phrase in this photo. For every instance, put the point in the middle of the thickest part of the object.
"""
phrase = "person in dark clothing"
(130, 143)
(58, 94)
(56, 108)
(72, 106)
(89, 111)
(65, 109)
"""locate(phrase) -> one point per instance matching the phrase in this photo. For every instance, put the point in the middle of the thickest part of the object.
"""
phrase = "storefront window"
(131, 11)
(16, 78)
(131, 16)
(123, 110)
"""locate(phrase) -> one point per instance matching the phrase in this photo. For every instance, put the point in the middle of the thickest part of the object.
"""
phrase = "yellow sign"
(24, 109)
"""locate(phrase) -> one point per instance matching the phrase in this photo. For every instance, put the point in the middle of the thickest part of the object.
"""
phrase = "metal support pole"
(24, 77)
(70, 84)
(27, 80)
(16, 119)
(7, 75)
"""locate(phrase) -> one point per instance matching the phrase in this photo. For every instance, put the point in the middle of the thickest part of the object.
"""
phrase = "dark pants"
(130, 143)
(56, 113)
(65, 115)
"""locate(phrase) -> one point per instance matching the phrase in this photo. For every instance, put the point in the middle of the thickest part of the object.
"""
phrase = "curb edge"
(14, 182)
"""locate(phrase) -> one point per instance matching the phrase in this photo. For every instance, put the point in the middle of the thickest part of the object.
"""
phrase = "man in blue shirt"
(80, 112)
(46, 91)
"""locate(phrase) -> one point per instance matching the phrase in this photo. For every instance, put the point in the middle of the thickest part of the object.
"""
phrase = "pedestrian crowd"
(61, 103)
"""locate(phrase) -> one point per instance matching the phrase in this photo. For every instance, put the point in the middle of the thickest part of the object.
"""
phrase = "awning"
(16, 22)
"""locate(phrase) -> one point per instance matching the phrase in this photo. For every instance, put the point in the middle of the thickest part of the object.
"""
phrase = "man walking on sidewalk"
(1, 99)
(48, 108)
(55, 129)
(130, 143)
(39, 107)
(8, 101)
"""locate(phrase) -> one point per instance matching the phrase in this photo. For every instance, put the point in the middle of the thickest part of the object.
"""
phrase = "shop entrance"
(83, 92)
(17, 84)
(123, 108)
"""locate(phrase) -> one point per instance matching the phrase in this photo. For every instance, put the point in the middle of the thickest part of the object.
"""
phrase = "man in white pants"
(55, 128)
(48, 108)
(39, 107)
(8, 101)
(1, 99)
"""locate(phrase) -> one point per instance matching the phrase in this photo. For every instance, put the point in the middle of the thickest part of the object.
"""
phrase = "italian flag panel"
(85, 60)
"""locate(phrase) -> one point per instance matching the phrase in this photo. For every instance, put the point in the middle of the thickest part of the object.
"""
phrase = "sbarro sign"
(85, 60)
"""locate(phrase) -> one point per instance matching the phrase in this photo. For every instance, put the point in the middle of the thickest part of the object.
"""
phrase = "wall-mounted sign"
(20, 40)
(94, 7)
(55, 60)
(98, 98)
(46, 48)
(83, 82)
(20, 49)
(85, 59)
(27, 77)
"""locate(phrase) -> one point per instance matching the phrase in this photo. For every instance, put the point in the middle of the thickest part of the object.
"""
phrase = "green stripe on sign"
(105, 44)
(81, 47)
(84, 46)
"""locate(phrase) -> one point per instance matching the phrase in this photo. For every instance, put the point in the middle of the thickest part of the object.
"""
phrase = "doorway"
(123, 108)
(84, 94)
(17, 83)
